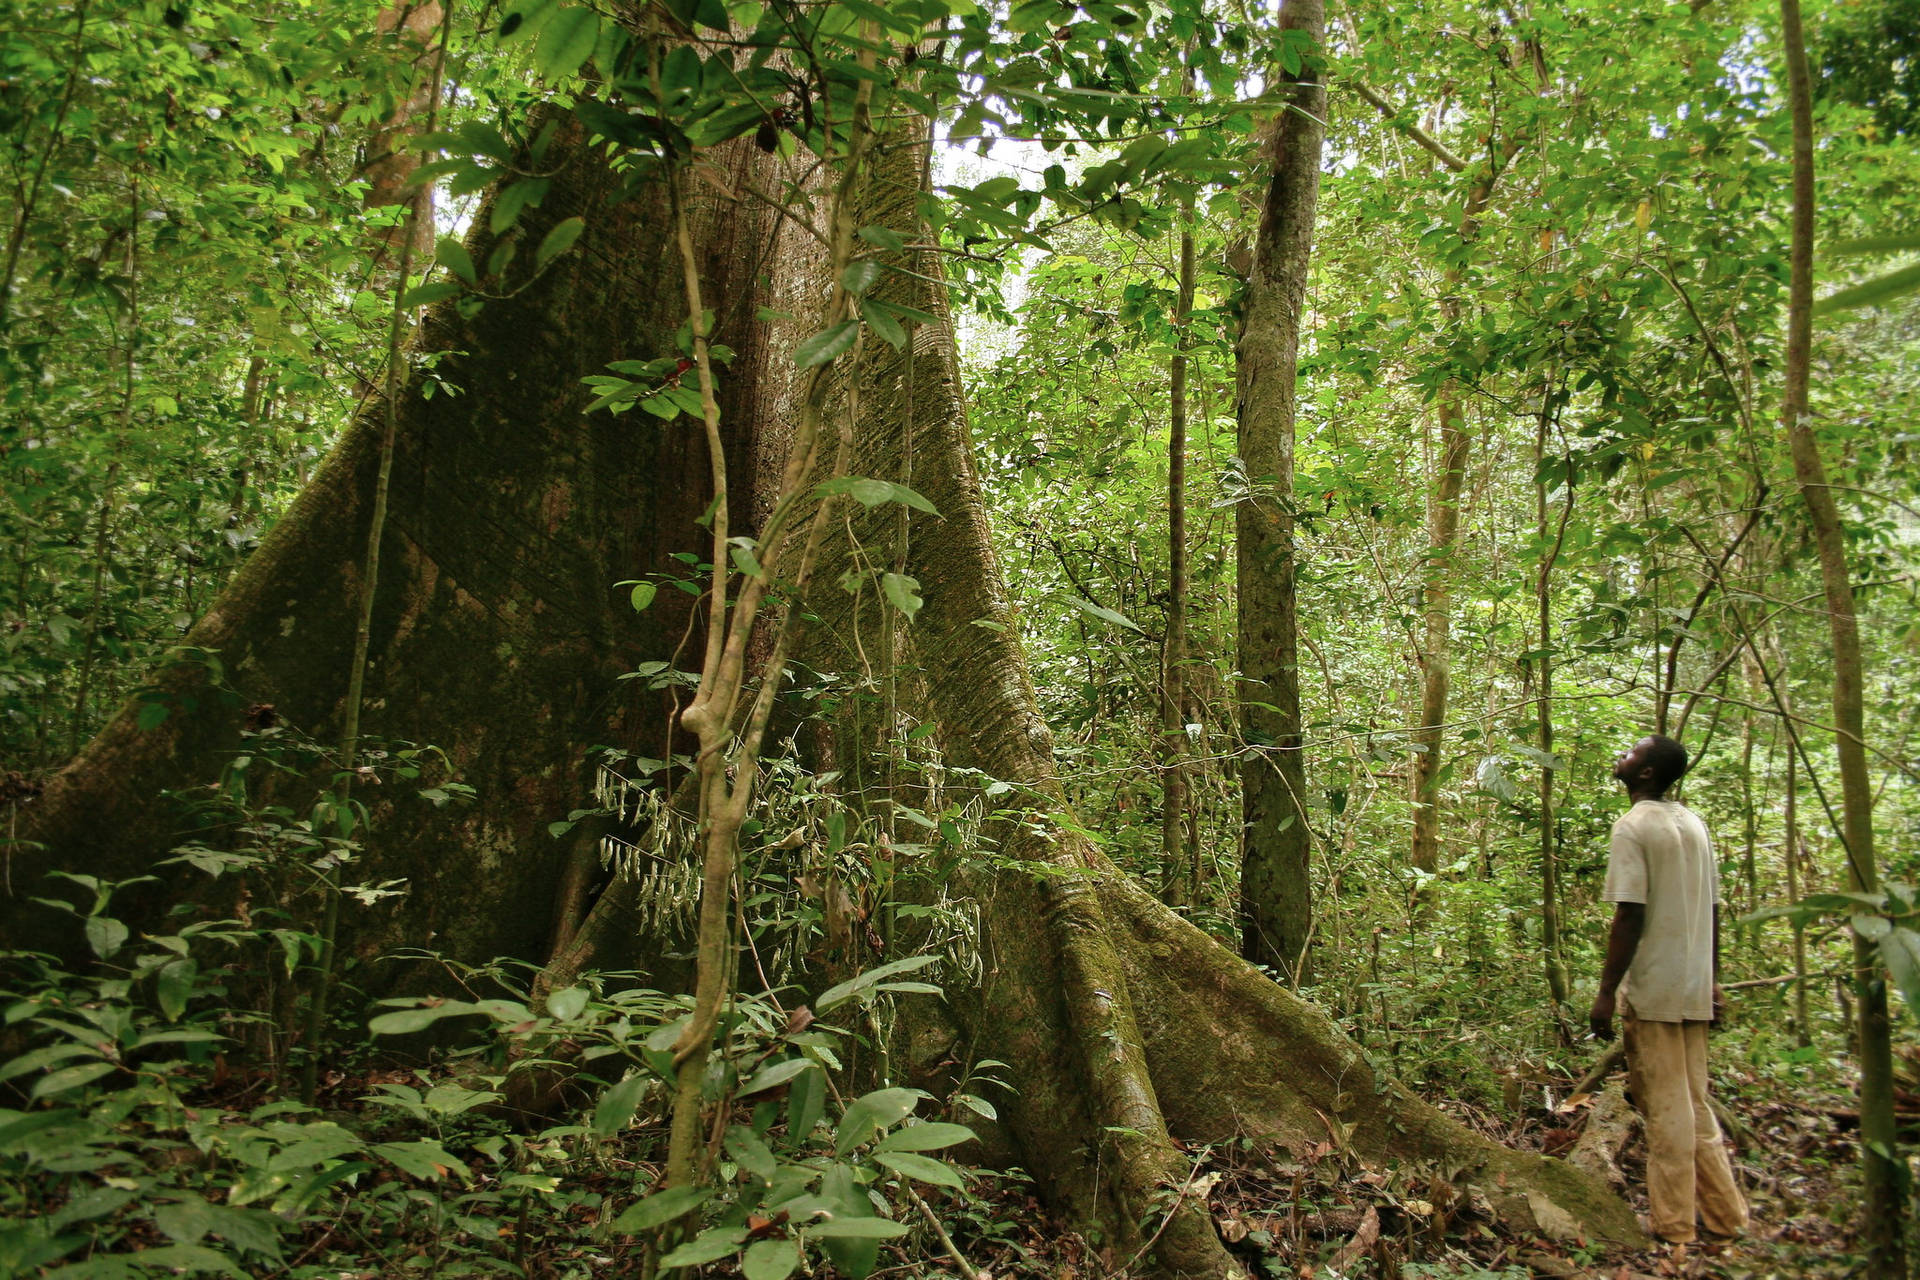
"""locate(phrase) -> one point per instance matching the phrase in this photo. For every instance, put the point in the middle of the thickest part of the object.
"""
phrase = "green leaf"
(855, 1229)
(872, 1112)
(428, 1161)
(869, 492)
(1104, 614)
(770, 1259)
(860, 276)
(558, 241)
(105, 935)
(922, 1168)
(882, 238)
(567, 1003)
(67, 1079)
(512, 200)
(774, 1074)
(1906, 242)
(903, 593)
(931, 1136)
(806, 1104)
(1874, 293)
(424, 295)
(1901, 947)
(643, 594)
(710, 1245)
(617, 1105)
(659, 1209)
(406, 1021)
(750, 1153)
(882, 322)
(566, 40)
(453, 255)
(822, 347)
(173, 987)
(840, 993)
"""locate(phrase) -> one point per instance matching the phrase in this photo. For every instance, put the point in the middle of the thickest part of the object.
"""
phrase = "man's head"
(1651, 765)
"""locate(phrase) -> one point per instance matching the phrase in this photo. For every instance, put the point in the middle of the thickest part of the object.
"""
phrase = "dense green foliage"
(196, 299)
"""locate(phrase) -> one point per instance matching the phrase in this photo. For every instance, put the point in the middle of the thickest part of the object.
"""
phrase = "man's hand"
(1600, 1017)
(1719, 1006)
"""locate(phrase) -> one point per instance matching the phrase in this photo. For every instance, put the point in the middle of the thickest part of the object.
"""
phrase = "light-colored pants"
(1687, 1166)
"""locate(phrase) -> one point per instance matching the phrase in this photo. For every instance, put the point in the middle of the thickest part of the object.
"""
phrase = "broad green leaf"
(1101, 612)
(406, 1021)
(454, 257)
(882, 238)
(617, 1105)
(558, 240)
(566, 40)
(659, 1209)
(643, 594)
(921, 1168)
(173, 987)
(889, 330)
(773, 1074)
(67, 1079)
(1901, 947)
(567, 1003)
(931, 1136)
(428, 1161)
(856, 1229)
(105, 935)
(770, 1259)
(1873, 293)
(806, 1104)
(710, 1245)
(839, 993)
(860, 276)
(903, 593)
(421, 296)
(872, 1112)
(822, 347)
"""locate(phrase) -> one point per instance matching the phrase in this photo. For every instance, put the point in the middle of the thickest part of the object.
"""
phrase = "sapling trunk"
(399, 324)
(1883, 1171)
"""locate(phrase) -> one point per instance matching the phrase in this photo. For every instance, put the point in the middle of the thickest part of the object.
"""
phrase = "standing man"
(1663, 962)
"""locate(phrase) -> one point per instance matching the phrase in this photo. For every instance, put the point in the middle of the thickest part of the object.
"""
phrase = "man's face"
(1629, 764)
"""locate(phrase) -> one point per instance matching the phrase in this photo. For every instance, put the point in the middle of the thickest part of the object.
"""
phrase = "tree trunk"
(1179, 840)
(1883, 1170)
(498, 634)
(1124, 1026)
(1276, 884)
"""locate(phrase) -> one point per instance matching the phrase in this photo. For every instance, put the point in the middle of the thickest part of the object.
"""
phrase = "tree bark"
(1125, 1027)
(1883, 1170)
(1276, 884)
(497, 633)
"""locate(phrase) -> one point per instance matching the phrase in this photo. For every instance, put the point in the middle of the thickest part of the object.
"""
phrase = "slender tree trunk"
(1882, 1168)
(391, 159)
(1276, 882)
(1790, 840)
(1179, 843)
(1556, 970)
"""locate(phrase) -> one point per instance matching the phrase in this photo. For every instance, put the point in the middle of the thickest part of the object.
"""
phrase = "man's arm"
(1629, 920)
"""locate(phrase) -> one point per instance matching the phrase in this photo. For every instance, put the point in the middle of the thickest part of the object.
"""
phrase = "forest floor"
(1326, 1217)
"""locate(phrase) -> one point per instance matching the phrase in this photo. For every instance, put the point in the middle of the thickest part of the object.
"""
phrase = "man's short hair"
(1668, 760)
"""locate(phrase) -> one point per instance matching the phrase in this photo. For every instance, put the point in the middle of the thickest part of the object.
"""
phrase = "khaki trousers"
(1687, 1166)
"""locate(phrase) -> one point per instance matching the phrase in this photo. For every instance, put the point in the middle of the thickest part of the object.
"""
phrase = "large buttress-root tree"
(1127, 1030)
(498, 634)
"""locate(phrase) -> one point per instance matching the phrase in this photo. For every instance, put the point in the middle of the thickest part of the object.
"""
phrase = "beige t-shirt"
(1661, 855)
